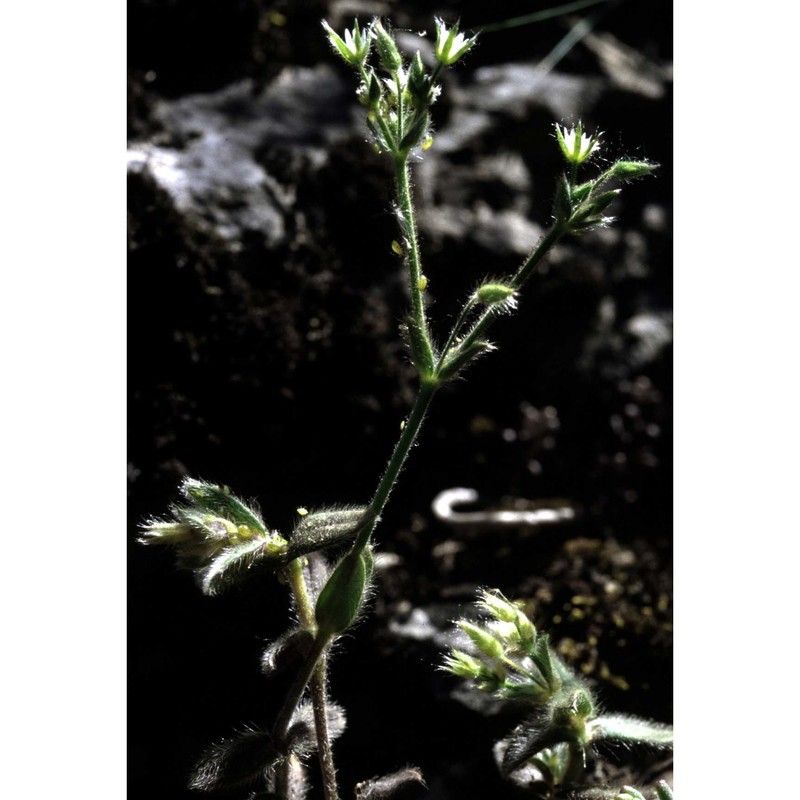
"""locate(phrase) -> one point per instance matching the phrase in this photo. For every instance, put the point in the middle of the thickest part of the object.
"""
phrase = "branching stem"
(520, 277)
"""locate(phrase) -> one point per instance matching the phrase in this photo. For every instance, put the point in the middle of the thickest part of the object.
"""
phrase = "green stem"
(319, 701)
(319, 682)
(399, 455)
(520, 277)
(305, 608)
(409, 228)
(281, 726)
(468, 306)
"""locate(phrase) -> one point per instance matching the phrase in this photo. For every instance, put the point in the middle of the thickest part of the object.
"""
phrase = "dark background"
(264, 354)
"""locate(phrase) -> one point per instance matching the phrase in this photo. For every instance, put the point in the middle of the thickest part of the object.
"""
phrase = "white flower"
(450, 44)
(575, 144)
(354, 48)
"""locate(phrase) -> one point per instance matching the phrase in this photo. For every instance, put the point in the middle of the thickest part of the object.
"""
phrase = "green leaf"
(419, 347)
(324, 528)
(541, 658)
(417, 131)
(463, 356)
(340, 600)
(563, 203)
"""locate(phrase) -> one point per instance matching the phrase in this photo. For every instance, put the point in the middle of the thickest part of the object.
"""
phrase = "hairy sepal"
(233, 564)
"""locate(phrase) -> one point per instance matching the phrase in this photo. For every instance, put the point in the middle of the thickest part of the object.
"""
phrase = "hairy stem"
(399, 455)
(319, 701)
(319, 682)
(281, 727)
(520, 277)
(408, 226)
(459, 324)
(305, 608)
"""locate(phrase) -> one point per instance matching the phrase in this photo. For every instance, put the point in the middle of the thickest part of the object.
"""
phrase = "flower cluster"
(215, 535)
(510, 658)
(399, 100)
(580, 206)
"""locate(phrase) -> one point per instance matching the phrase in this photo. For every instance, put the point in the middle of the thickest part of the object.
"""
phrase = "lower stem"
(319, 682)
(319, 701)
(281, 727)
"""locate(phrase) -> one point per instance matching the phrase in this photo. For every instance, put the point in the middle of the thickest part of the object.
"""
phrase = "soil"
(264, 312)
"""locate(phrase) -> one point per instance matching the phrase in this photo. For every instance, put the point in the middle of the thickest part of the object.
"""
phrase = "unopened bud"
(490, 294)
(629, 170)
(463, 665)
(387, 49)
(486, 644)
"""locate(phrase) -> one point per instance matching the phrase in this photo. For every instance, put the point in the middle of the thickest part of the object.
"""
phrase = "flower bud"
(628, 170)
(486, 644)
(463, 665)
(497, 605)
(496, 294)
(388, 53)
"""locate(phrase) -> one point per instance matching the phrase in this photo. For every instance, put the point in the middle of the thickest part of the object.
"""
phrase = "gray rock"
(207, 163)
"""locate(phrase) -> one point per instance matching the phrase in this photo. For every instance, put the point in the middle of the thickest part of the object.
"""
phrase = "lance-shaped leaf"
(340, 600)
(529, 739)
(419, 347)
(239, 761)
(540, 655)
(390, 787)
(622, 729)
(301, 736)
(327, 527)
(289, 648)
(219, 501)
(462, 356)
(232, 565)
(552, 763)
